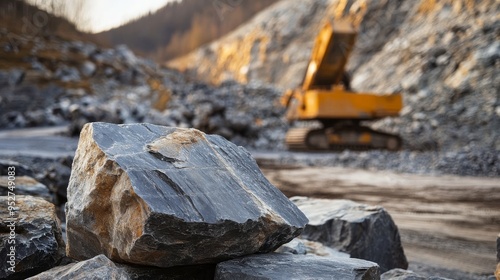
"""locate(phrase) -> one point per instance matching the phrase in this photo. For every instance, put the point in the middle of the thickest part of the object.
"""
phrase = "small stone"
(318, 249)
(19, 169)
(289, 266)
(363, 231)
(498, 248)
(67, 74)
(401, 274)
(126, 54)
(98, 267)
(293, 247)
(88, 69)
(38, 242)
(159, 196)
(23, 185)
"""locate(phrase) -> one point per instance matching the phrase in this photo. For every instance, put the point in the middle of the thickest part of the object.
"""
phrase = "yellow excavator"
(326, 97)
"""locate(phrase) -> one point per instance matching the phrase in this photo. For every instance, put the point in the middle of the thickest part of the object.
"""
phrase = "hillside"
(181, 27)
(442, 55)
(23, 19)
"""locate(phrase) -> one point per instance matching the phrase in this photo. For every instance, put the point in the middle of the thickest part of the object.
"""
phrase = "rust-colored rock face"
(159, 196)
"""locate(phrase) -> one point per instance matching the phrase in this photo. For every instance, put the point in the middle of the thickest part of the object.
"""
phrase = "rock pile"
(82, 82)
(154, 202)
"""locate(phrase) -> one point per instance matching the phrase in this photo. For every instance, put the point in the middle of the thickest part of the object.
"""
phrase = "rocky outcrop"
(98, 267)
(25, 186)
(363, 231)
(289, 266)
(159, 196)
(34, 227)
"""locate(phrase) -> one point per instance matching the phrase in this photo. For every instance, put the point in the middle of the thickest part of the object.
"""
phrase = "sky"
(102, 15)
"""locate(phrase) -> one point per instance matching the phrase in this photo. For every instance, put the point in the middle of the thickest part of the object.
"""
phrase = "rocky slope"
(442, 55)
(51, 81)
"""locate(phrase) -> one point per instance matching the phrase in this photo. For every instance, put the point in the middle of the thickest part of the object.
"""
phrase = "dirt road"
(444, 221)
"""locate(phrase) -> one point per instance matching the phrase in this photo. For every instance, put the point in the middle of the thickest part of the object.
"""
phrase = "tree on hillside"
(181, 27)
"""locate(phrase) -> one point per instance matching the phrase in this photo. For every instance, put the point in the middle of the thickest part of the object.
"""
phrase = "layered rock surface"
(289, 266)
(26, 186)
(401, 274)
(159, 196)
(98, 267)
(363, 231)
(38, 242)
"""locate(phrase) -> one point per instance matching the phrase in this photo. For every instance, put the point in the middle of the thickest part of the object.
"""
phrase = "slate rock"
(318, 249)
(98, 267)
(20, 169)
(159, 196)
(38, 242)
(302, 247)
(289, 266)
(365, 232)
(25, 186)
(401, 274)
(191, 272)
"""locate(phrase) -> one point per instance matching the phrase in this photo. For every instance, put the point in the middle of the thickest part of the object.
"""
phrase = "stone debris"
(98, 267)
(25, 186)
(363, 231)
(300, 246)
(38, 242)
(289, 266)
(151, 195)
(401, 274)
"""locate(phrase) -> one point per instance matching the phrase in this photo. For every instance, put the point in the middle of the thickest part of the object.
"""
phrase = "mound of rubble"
(58, 82)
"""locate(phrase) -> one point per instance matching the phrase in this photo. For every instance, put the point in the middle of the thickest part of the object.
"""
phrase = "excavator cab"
(325, 96)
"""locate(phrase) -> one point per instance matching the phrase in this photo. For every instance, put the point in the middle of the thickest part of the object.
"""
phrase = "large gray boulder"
(289, 266)
(98, 267)
(35, 229)
(365, 232)
(159, 196)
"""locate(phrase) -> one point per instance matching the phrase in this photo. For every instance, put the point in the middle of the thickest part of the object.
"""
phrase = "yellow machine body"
(338, 103)
(325, 96)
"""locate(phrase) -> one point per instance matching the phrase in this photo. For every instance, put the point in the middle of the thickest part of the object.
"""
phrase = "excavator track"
(351, 137)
